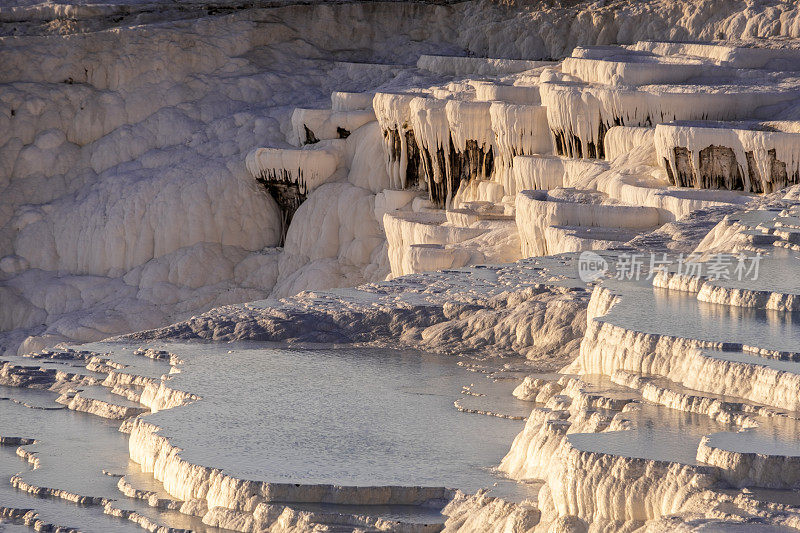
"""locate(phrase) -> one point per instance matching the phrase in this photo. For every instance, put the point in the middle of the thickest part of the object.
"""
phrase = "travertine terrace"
(400, 266)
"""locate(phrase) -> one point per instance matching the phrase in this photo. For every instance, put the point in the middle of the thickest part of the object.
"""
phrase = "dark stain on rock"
(287, 192)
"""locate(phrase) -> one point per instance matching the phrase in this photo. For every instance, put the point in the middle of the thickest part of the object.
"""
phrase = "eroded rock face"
(718, 169)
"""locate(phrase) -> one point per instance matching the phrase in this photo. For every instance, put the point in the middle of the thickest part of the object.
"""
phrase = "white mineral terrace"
(756, 157)
(309, 167)
(401, 266)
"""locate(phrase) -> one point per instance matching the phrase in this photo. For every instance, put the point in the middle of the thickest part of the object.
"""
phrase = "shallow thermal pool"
(649, 309)
(79, 453)
(664, 434)
(353, 417)
(358, 417)
(659, 434)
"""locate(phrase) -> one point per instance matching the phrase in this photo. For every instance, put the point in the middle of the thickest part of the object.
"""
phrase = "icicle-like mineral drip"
(394, 117)
(432, 133)
(518, 130)
(580, 115)
(311, 166)
(473, 139)
(620, 140)
(736, 156)
(290, 174)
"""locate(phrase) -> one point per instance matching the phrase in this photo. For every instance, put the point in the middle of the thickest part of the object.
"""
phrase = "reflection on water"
(74, 450)
(773, 436)
(660, 434)
(645, 308)
(777, 271)
(347, 416)
(351, 417)
(665, 434)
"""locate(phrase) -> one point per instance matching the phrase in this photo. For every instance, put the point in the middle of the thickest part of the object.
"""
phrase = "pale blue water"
(660, 434)
(778, 271)
(362, 417)
(357, 417)
(665, 434)
(653, 310)
(74, 449)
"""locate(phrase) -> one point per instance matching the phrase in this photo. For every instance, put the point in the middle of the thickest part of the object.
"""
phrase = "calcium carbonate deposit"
(475, 266)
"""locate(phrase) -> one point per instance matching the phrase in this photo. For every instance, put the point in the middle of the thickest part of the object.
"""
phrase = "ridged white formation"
(540, 216)
(475, 66)
(126, 204)
(394, 115)
(423, 235)
(487, 91)
(582, 486)
(758, 149)
(323, 124)
(774, 300)
(473, 139)
(189, 482)
(608, 348)
(735, 56)
(309, 168)
(621, 140)
(469, 121)
(351, 101)
(98, 407)
(633, 69)
(432, 132)
(519, 130)
(705, 386)
(583, 112)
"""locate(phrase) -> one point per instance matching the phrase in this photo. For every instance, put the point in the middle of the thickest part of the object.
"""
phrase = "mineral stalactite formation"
(403, 152)
(756, 157)
(288, 189)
